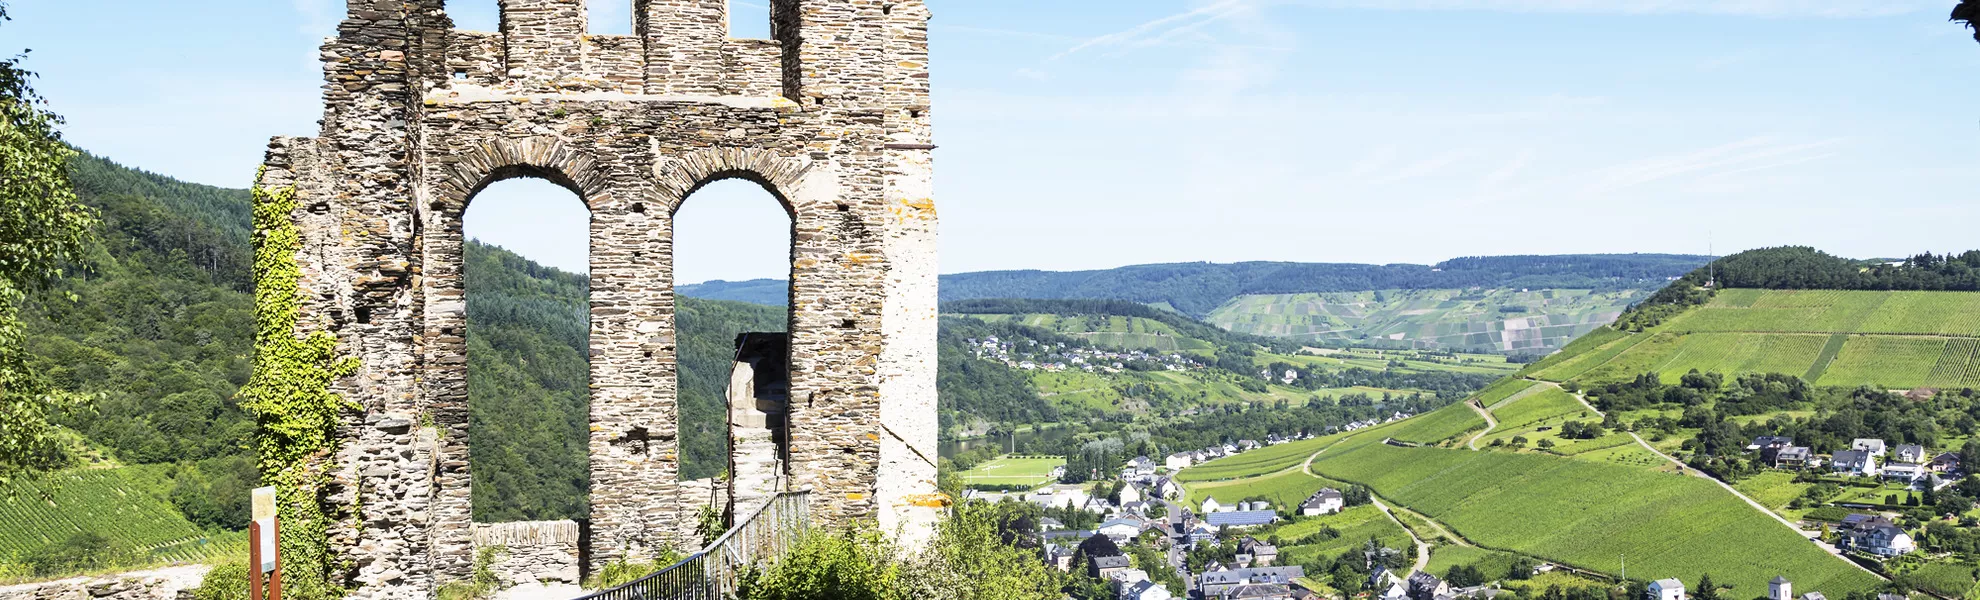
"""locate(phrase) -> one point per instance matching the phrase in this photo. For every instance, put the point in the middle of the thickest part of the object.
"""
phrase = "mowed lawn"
(1587, 514)
(1013, 471)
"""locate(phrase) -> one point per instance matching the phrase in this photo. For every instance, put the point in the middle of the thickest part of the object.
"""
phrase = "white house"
(1876, 535)
(1905, 472)
(1874, 447)
(1327, 501)
(1131, 493)
(1144, 590)
(1210, 505)
(1124, 528)
(1856, 462)
(1178, 461)
(1780, 589)
(1166, 488)
(1667, 589)
(1911, 453)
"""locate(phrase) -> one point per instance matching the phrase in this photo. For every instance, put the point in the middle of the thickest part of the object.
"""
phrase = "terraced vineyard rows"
(126, 505)
(1586, 514)
(1832, 338)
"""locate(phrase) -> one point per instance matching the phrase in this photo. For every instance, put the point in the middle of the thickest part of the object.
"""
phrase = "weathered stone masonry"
(832, 117)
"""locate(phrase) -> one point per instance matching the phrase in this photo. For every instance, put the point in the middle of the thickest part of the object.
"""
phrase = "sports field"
(1008, 471)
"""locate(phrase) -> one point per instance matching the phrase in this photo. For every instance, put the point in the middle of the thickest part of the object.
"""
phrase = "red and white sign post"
(264, 556)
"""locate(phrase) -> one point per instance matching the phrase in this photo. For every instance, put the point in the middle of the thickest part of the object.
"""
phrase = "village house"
(1424, 586)
(1241, 519)
(1792, 457)
(1780, 589)
(1945, 463)
(1667, 589)
(1875, 535)
(1167, 489)
(1261, 553)
(1769, 441)
(1101, 567)
(1327, 501)
(1874, 447)
(1229, 583)
(1905, 472)
(1210, 505)
(1138, 469)
(1859, 463)
(1911, 453)
(1143, 590)
(1383, 584)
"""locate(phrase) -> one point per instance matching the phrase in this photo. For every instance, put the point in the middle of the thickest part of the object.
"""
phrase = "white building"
(1667, 589)
(1210, 505)
(1873, 447)
(1327, 501)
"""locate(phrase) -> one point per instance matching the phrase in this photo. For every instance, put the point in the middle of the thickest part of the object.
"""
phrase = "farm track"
(1682, 468)
(1490, 424)
(1422, 547)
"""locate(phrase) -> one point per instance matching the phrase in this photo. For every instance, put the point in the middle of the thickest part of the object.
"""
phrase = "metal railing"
(712, 573)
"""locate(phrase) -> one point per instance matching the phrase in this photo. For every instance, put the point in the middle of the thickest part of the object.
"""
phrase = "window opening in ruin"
(732, 265)
(609, 17)
(749, 19)
(475, 15)
(529, 324)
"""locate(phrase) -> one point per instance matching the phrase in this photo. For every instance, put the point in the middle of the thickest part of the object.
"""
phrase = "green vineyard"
(1894, 340)
(128, 506)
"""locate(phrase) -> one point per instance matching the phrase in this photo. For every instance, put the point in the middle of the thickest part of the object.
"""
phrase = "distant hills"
(1504, 304)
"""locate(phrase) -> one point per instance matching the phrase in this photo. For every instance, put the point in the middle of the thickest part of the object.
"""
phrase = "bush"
(622, 571)
(227, 581)
(83, 551)
(971, 558)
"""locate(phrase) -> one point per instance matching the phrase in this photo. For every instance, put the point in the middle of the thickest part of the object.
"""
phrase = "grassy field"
(1774, 489)
(1356, 526)
(1492, 563)
(1549, 405)
(127, 505)
(1032, 471)
(1894, 340)
(1586, 514)
(1478, 320)
(1283, 489)
(1270, 459)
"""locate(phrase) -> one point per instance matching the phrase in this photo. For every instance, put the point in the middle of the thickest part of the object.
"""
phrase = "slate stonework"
(832, 117)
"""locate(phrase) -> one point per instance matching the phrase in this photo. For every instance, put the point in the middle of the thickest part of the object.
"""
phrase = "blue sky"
(1091, 134)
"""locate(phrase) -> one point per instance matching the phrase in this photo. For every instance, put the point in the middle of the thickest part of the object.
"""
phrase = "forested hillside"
(1197, 289)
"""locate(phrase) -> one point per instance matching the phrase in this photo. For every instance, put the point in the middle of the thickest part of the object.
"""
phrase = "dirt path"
(1686, 469)
(1490, 423)
(1422, 547)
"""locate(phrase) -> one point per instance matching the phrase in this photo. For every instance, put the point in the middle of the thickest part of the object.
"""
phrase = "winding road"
(1685, 469)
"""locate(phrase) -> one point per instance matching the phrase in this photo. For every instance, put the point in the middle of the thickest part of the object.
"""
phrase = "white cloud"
(1158, 29)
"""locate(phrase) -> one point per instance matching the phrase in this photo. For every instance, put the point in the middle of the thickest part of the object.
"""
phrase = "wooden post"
(254, 560)
(264, 553)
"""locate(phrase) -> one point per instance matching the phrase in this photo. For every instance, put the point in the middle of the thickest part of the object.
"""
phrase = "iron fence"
(712, 573)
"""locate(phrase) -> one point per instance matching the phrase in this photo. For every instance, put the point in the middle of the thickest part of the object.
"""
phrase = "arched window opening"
(749, 19)
(732, 264)
(529, 326)
(610, 17)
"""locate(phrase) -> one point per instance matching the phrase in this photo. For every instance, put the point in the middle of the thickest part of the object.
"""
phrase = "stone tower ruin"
(832, 116)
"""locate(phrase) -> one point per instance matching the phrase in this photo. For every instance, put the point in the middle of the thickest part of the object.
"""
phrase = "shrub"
(227, 581)
(622, 571)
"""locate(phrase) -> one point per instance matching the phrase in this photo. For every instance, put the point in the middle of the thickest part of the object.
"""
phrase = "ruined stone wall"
(536, 552)
(832, 118)
(172, 583)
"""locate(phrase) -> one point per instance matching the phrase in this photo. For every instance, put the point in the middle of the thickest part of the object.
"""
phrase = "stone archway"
(832, 117)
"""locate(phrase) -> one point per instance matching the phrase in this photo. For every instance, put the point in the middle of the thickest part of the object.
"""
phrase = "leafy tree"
(1968, 11)
(42, 229)
(1706, 589)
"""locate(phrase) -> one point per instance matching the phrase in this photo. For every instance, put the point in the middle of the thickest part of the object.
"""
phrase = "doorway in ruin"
(525, 265)
(732, 268)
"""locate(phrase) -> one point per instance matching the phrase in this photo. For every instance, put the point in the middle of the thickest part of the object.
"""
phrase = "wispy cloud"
(1751, 8)
(1743, 156)
(1153, 32)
